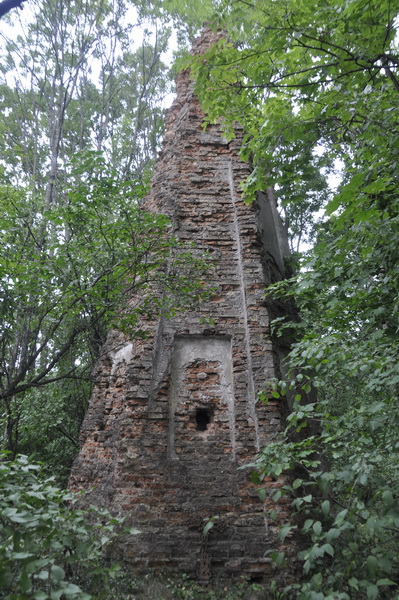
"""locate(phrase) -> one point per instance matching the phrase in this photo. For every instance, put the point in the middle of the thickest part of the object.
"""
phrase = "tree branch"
(392, 78)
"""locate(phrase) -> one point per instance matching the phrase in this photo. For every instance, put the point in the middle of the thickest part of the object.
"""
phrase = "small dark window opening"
(202, 418)
(256, 579)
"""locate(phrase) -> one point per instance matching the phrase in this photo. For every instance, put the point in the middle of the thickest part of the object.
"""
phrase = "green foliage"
(209, 525)
(49, 423)
(48, 549)
(344, 496)
(69, 272)
(187, 16)
(75, 77)
(346, 344)
(153, 587)
(309, 82)
(76, 81)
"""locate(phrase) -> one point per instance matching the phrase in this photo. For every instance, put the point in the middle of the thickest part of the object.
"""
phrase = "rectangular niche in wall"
(201, 400)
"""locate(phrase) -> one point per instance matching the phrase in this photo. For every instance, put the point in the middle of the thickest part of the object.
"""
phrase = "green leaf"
(285, 530)
(325, 507)
(385, 581)
(341, 516)
(317, 528)
(279, 559)
(328, 549)
(131, 530)
(70, 589)
(372, 564)
(387, 497)
(25, 582)
(372, 591)
(306, 567)
(21, 555)
(353, 582)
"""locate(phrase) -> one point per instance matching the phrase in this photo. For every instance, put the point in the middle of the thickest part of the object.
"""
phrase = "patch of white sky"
(334, 176)
(146, 31)
(141, 31)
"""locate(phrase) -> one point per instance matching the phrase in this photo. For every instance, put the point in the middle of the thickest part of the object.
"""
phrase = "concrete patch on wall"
(121, 355)
(201, 389)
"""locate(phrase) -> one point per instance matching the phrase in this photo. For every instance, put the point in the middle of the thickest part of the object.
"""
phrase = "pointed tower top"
(206, 39)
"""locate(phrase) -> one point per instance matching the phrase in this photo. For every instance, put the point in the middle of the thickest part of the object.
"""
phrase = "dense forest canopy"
(315, 85)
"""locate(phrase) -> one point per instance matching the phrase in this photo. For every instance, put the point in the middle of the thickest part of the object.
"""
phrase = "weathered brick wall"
(174, 417)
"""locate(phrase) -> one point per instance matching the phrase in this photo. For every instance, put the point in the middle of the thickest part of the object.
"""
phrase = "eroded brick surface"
(173, 418)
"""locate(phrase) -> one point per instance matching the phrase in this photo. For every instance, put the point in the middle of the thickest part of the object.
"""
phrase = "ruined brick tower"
(173, 418)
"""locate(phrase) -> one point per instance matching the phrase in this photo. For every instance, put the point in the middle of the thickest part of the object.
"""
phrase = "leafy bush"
(48, 549)
(344, 497)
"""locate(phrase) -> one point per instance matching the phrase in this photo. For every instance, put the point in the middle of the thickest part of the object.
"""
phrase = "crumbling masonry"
(174, 418)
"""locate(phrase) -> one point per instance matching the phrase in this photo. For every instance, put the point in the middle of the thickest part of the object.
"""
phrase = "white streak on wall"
(121, 355)
(250, 375)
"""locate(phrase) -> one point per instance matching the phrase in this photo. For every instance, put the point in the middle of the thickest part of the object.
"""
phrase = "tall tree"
(71, 81)
(75, 80)
(66, 275)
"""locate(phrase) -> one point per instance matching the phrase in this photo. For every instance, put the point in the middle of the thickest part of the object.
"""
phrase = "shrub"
(49, 550)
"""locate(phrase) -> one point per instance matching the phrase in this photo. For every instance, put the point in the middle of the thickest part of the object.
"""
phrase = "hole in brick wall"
(202, 418)
(255, 579)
